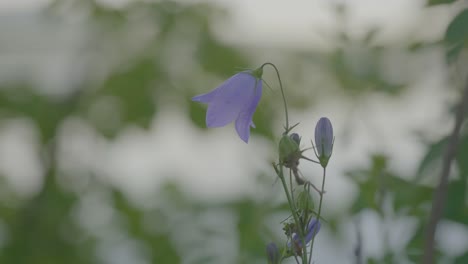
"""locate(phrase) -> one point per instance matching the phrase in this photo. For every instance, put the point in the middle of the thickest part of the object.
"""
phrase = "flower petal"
(230, 99)
(205, 98)
(244, 120)
(312, 230)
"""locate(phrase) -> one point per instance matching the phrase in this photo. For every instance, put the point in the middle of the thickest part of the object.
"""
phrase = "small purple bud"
(296, 138)
(273, 253)
(324, 140)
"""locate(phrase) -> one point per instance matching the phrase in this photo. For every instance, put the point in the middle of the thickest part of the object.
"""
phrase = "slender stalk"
(307, 217)
(311, 160)
(318, 214)
(438, 201)
(291, 187)
(293, 202)
(293, 211)
(358, 248)
(295, 257)
(282, 93)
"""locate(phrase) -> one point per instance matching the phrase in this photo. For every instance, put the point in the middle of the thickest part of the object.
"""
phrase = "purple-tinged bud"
(312, 229)
(296, 242)
(288, 149)
(324, 140)
(296, 138)
(273, 253)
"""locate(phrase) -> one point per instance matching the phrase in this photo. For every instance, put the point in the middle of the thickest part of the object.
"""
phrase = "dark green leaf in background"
(456, 36)
(439, 2)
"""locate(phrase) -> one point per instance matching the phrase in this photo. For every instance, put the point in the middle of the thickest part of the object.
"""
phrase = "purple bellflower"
(324, 140)
(234, 100)
(312, 229)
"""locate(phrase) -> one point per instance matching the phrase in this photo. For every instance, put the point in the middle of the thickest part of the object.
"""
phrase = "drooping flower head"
(312, 229)
(324, 140)
(234, 100)
(273, 254)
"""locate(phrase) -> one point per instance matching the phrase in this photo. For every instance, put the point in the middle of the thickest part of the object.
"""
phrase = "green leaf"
(414, 249)
(370, 183)
(461, 259)
(197, 112)
(359, 75)
(304, 201)
(455, 204)
(218, 58)
(161, 248)
(133, 89)
(462, 157)
(439, 2)
(435, 152)
(409, 196)
(45, 111)
(456, 36)
(250, 227)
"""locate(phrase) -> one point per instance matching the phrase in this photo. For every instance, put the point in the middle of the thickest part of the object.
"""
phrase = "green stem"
(282, 93)
(318, 214)
(291, 186)
(293, 211)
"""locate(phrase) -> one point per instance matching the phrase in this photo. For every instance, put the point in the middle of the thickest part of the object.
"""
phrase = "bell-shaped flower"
(234, 100)
(312, 229)
(324, 140)
(273, 254)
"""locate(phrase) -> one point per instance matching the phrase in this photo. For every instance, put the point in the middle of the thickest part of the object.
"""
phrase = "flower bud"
(324, 140)
(304, 201)
(312, 229)
(288, 148)
(296, 138)
(295, 245)
(273, 253)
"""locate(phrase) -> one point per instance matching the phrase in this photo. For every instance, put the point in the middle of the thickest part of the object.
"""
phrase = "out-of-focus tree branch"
(440, 195)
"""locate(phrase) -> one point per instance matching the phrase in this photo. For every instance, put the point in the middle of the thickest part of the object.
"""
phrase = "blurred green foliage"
(439, 2)
(456, 36)
(43, 229)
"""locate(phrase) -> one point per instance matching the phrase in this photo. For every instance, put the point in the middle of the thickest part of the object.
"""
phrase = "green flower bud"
(288, 149)
(304, 201)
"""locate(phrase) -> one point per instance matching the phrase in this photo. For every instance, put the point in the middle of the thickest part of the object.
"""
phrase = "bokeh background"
(104, 158)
